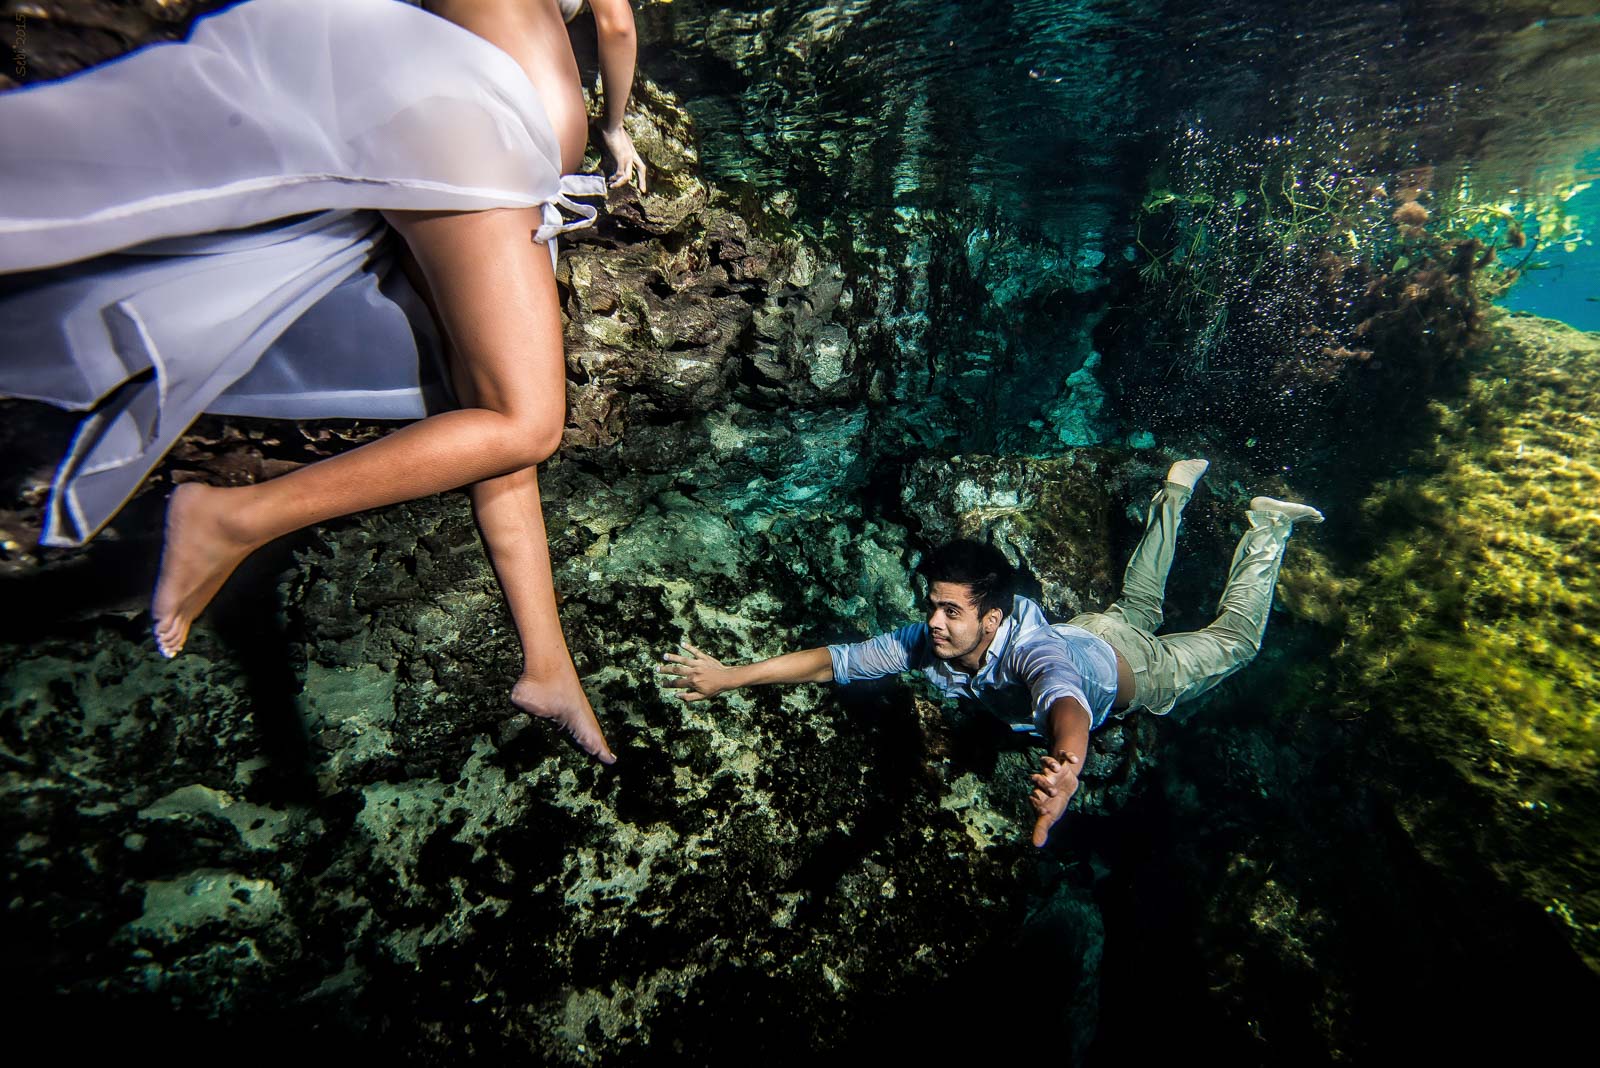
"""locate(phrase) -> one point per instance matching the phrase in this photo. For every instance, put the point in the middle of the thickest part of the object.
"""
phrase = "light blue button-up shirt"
(1051, 661)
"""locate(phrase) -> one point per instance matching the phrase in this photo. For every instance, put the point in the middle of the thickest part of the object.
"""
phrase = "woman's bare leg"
(508, 507)
(509, 514)
(511, 518)
(496, 290)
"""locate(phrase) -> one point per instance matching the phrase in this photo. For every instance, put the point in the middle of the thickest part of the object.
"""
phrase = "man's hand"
(698, 675)
(1053, 787)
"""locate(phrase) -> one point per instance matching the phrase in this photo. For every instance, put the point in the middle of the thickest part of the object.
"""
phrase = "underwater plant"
(1294, 299)
(1469, 630)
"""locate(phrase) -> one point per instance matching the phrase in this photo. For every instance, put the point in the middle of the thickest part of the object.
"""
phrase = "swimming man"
(979, 637)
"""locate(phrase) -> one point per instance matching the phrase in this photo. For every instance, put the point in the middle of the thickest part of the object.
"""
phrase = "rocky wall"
(1385, 838)
(322, 822)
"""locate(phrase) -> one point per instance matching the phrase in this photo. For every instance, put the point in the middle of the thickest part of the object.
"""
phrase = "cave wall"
(869, 303)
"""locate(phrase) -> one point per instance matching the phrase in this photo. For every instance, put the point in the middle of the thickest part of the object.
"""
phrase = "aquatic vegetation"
(1498, 604)
(1526, 223)
(1471, 630)
(1287, 295)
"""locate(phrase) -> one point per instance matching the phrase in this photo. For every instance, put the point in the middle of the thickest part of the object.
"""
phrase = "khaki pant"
(1179, 667)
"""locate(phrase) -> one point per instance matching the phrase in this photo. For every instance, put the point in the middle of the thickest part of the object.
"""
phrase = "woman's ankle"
(548, 671)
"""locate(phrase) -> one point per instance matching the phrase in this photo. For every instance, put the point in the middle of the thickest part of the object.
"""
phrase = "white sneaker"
(1297, 513)
(1186, 473)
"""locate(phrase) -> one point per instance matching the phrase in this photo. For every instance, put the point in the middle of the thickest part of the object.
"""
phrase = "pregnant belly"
(533, 35)
(569, 119)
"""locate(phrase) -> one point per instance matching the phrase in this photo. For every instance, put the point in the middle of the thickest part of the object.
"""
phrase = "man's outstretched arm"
(700, 676)
(1057, 780)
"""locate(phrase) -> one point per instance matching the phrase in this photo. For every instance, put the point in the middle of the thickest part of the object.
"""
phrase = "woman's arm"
(619, 47)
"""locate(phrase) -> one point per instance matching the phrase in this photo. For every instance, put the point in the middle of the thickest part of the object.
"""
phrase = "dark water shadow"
(106, 583)
(247, 622)
(107, 586)
(78, 1027)
(899, 750)
(1267, 900)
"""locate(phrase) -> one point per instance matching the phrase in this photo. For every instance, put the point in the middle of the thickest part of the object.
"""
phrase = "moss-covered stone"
(1053, 518)
(321, 816)
(1472, 630)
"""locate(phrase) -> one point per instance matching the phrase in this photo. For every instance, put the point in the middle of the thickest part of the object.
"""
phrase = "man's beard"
(957, 654)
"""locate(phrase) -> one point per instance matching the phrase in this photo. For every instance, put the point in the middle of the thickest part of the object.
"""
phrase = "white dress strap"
(555, 224)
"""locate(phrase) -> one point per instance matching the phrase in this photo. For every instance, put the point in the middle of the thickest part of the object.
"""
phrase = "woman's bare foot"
(565, 702)
(197, 557)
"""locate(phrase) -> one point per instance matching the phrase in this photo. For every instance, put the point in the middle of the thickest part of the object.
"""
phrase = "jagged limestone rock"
(1078, 415)
(809, 848)
(783, 837)
(1052, 518)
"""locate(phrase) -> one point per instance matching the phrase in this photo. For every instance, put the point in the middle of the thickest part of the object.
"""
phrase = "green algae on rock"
(1051, 517)
(1472, 630)
(308, 817)
(772, 851)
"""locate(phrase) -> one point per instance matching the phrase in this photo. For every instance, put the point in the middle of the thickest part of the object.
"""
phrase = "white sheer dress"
(192, 228)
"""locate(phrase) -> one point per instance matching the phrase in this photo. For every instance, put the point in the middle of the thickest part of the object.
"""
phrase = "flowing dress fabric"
(223, 190)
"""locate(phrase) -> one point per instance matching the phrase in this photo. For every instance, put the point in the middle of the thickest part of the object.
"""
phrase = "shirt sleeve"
(887, 654)
(1043, 665)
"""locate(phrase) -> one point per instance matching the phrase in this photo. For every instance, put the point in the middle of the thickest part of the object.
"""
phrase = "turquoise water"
(1567, 284)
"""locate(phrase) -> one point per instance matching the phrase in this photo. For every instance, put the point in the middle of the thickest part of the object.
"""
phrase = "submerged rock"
(775, 853)
(1478, 662)
(323, 813)
(1398, 812)
(1052, 518)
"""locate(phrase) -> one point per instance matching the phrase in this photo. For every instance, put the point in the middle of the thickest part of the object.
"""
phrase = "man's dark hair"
(974, 564)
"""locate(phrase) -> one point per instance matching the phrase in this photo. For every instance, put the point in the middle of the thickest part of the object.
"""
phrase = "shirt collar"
(997, 649)
(1002, 638)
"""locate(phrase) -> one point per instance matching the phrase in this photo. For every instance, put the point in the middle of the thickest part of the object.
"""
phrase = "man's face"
(954, 625)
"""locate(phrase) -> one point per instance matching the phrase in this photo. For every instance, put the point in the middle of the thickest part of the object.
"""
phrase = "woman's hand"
(629, 167)
(697, 674)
